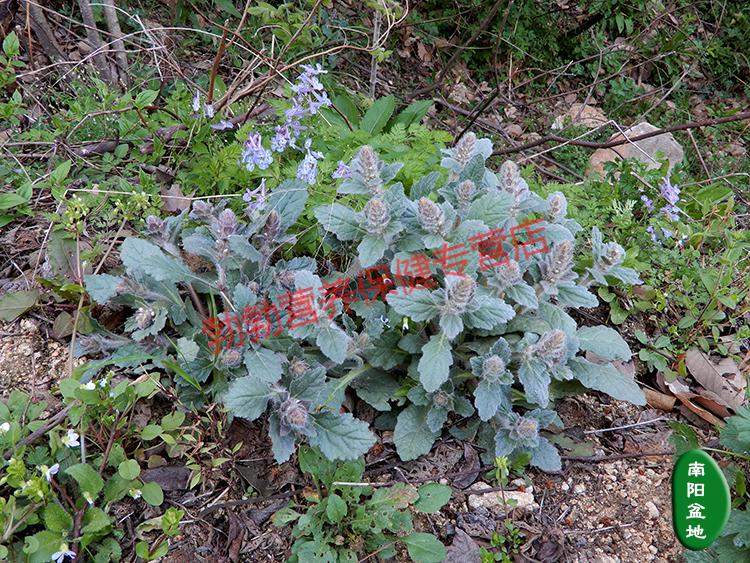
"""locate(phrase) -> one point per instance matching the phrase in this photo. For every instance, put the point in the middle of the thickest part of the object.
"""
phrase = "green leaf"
(333, 342)
(15, 304)
(546, 457)
(284, 516)
(89, 481)
(371, 249)
(419, 305)
(434, 365)
(151, 431)
(56, 519)
(142, 257)
(145, 98)
(607, 379)
(492, 209)
(11, 46)
(335, 508)
(736, 433)
(576, 296)
(378, 115)
(264, 364)
(129, 469)
(247, 397)
(152, 493)
(11, 200)
(489, 396)
(413, 113)
(424, 548)
(340, 220)
(173, 420)
(187, 350)
(95, 520)
(288, 200)
(412, 436)
(432, 497)
(341, 436)
(102, 287)
(603, 341)
(535, 379)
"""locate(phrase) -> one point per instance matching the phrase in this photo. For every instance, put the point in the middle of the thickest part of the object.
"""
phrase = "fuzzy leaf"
(282, 446)
(102, 287)
(607, 379)
(451, 325)
(340, 220)
(627, 276)
(545, 456)
(424, 186)
(523, 294)
(434, 366)
(419, 305)
(535, 380)
(603, 341)
(341, 436)
(492, 209)
(412, 436)
(371, 249)
(263, 364)
(333, 342)
(247, 397)
(376, 388)
(491, 312)
(142, 257)
(576, 296)
(489, 396)
(288, 200)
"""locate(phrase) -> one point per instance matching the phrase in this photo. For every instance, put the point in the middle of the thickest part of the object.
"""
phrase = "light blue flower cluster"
(671, 193)
(254, 154)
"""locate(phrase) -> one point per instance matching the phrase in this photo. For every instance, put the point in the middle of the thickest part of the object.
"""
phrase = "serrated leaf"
(411, 435)
(434, 365)
(535, 379)
(419, 305)
(492, 209)
(264, 364)
(432, 497)
(736, 433)
(491, 313)
(424, 186)
(95, 520)
(248, 397)
(451, 325)
(102, 287)
(603, 341)
(607, 379)
(371, 249)
(142, 257)
(576, 296)
(340, 220)
(378, 115)
(546, 457)
(187, 350)
(489, 396)
(341, 436)
(57, 519)
(333, 342)
(424, 548)
(523, 294)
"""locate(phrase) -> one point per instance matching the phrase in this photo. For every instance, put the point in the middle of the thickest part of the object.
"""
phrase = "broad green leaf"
(247, 397)
(333, 342)
(288, 200)
(11, 45)
(489, 396)
(492, 209)
(340, 220)
(187, 350)
(736, 433)
(434, 365)
(491, 313)
(95, 520)
(607, 379)
(89, 480)
(102, 287)
(576, 296)
(341, 436)
(142, 257)
(413, 113)
(546, 457)
(424, 548)
(335, 508)
(282, 445)
(152, 494)
(535, 379)
(11, 200)
(151, 431)
(371, 249)
(145, 98)
(419, 305)
(603, 341)
(378, 115)
(15, 304)
(264, 364)
(432, 497)
(57, 519)
(412, 436)
(129, 469)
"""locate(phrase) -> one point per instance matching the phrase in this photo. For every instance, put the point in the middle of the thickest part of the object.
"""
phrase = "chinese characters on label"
(302, 307)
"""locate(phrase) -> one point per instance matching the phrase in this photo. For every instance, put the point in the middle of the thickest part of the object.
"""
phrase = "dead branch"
(43, 32)
(110, 12)
(95, 42)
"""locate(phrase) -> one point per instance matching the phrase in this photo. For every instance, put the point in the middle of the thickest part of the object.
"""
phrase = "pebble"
(565, 487)
(579, 488)
(653, 511)
(494, 501)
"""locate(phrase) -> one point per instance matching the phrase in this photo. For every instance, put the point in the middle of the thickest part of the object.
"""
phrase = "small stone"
(494, 501)
(579, 488)
(653, 549)
(565, 487)
(653, 511)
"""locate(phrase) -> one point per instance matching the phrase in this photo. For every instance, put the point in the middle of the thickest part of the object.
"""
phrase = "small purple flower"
(667, 232)
(253, 153)
(209, 109)
(651, 231)
(342, 171)
(649, 203)
(307, 170)
(256, 199)
(671, 193)
(222, 125)
(283, 138)
(197, 102)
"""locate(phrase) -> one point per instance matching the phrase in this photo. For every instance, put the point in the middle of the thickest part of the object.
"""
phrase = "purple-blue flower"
(285, 136)
(667, 232)
(197, 102)
(651, 231)
(307, 170)
(671, 193)
(222, 125)
(209, 109)
(256, 199)
(253, 153)
(342, 171)
(649, 203)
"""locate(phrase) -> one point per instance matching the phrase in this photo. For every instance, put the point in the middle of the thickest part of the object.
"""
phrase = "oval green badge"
(700, 500)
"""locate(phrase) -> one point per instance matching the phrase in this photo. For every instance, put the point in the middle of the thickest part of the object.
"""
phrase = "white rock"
(587, 116)
(494, 501)
(644, 150)
(653, 511)
(565, 487)
(579, 488)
